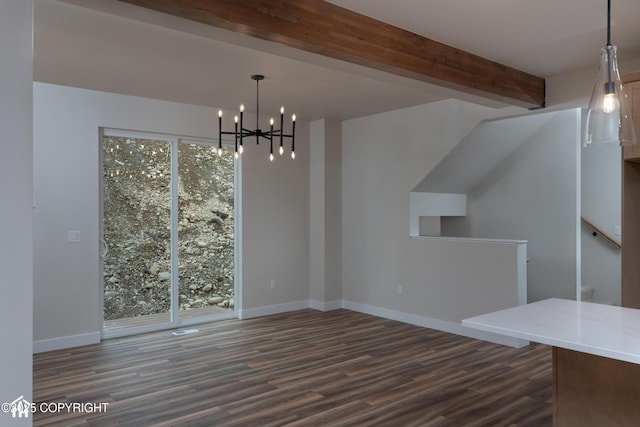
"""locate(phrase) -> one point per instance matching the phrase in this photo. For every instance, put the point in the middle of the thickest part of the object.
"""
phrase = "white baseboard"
(325, 305)
(272, 309)
(437, 324)
(59, 343)
(51, 344)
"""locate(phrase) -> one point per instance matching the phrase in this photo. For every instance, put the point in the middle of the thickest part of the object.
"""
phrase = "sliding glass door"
(168, 232)
(205, 230)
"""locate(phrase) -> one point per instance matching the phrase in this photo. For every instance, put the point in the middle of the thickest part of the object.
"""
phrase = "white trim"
(179, 322)
(272, 309)
(428, 322)
(174, 226)
(580, 116)
(137, 330)
(188, 139)
(59, 343)
(237, 236)
(521, 262)
(325, 305)
(412, 319)
(101, 254)
(470, 239)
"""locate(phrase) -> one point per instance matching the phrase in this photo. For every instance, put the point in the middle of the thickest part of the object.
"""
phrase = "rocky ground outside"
(137, 227)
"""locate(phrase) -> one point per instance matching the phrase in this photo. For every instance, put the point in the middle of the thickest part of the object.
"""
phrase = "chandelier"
(609, 118)
(241, 134)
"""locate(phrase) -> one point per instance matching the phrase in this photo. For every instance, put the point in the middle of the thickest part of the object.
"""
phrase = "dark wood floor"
(305, 368)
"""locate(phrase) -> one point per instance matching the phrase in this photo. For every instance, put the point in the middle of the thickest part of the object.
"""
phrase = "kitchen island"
(596, 357)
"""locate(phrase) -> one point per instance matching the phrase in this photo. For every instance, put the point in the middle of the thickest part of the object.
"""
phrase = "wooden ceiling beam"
(323, 28)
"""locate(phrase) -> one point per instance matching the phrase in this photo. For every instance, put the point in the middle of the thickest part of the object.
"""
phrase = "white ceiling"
(112, 46)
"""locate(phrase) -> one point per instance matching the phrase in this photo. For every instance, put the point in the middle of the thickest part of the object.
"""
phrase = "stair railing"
(597, 231)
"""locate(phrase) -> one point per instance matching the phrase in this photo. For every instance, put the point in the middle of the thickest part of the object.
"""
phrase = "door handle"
(104, 249)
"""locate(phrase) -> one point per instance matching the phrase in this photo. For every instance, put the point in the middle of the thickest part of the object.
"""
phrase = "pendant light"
(609, 116)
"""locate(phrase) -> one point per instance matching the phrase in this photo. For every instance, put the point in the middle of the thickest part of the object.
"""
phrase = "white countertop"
(598, 329)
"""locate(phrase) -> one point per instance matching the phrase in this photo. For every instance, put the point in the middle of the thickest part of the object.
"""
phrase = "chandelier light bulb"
(281, 150)
(271, 157)
(293, 154)
(241, 149)
(282, 110)
(235, 155)
(241, 108)
(271, 121)
(219, 113)
(219, 152)
(293, 118)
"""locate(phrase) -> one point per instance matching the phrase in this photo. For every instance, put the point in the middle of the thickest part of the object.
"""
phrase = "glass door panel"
(205, 230)
(137, 232)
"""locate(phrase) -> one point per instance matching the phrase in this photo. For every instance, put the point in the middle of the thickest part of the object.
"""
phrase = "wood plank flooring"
(304, 368)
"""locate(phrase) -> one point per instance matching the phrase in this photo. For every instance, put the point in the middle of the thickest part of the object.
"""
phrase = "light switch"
(74, 236)
(617, 230)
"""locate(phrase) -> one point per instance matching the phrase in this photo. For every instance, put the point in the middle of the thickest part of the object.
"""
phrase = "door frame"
(175, 320)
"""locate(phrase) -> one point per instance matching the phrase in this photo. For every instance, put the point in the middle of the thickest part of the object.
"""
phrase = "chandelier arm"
(272, 133)
(247, 133)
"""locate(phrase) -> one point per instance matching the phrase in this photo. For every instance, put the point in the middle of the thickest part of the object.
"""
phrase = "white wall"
(16, 277)
(275, 229)
(383, 158)
(533, 195)
(325, 216)
(574, 89)
(66, 172)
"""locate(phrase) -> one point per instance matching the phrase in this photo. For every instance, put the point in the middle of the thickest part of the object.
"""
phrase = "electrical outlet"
(399, 290)
(273, 284)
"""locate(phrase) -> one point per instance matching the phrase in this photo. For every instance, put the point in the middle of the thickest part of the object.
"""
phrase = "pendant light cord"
(257, 102)
(608, 23)
(609, 88)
